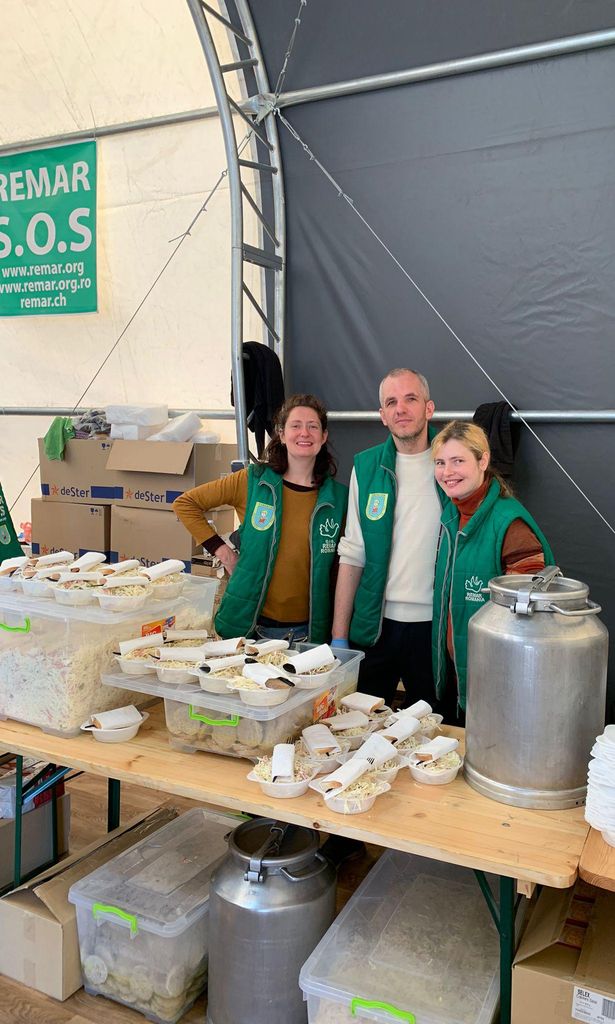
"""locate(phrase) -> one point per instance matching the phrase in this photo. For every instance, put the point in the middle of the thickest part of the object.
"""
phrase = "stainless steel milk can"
(271, 900)
(536, 690)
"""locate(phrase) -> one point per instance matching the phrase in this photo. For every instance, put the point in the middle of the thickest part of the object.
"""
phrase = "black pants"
(403, 651)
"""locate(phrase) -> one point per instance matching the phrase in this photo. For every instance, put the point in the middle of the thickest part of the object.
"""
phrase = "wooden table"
(597, 864)
(448, 823)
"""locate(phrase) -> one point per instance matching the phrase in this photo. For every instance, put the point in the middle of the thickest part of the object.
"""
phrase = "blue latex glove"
(341, 641)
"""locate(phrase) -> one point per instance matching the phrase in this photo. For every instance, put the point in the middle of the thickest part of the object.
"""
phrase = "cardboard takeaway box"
(36, 841)
(39, 946)
(152, 536)
(138, 474)
(564, 970)
(62, 526)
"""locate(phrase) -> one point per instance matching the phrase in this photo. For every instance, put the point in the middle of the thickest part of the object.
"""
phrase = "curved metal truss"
(264, 168)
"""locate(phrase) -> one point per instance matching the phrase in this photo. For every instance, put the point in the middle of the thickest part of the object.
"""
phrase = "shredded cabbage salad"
(409, 744)
(303, 770)
(441, 764)
(175, 577)
(78, 584)
(130, 590)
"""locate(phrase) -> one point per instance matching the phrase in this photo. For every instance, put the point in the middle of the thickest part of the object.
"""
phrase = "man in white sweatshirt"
(383, 598)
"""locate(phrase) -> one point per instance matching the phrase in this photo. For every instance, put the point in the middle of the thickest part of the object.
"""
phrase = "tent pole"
(234, 178)
(444, 69)
(356, 415)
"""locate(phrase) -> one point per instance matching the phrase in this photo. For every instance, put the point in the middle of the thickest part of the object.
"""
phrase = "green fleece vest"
(260, 538)
(377, 490)
(465, 563)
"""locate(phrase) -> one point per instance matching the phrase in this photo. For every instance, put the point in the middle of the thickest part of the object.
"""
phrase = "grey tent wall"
(495, 191)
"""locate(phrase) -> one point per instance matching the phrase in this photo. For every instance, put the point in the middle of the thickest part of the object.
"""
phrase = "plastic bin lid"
(161, 884)
(417, 936)
(231, 704)
(48, 607)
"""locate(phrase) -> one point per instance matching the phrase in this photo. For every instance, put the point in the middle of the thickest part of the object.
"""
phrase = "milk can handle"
(302, 876)
(592, 609)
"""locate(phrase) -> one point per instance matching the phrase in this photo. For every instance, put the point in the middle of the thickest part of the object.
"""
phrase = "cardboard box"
(151, 536)
(36, 841)
(137, 474)
(39, 945)
(63, 526)
(565, 967)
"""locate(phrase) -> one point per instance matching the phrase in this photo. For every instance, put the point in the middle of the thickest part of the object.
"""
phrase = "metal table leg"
(504, 918)
(507, 945)
(113, 804)
(18, 820)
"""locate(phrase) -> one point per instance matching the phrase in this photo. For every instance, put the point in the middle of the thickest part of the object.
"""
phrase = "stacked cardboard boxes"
(117, 497)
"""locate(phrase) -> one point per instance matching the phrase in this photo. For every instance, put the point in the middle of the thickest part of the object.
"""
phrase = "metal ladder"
(256, 110)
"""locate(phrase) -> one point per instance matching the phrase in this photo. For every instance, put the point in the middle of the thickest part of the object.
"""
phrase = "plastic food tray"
(142, 918)
(52, 656)
(416, 936)
(223, 724)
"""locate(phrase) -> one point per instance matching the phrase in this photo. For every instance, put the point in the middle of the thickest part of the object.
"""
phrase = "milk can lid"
(276, 843)
(547, 591)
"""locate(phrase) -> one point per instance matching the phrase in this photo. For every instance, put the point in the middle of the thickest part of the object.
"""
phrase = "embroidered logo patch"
(473, 590)
(376, 506)
(329, 528)
(262, 516)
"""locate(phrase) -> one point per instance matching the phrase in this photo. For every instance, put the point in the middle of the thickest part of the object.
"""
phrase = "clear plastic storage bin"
(223, 724)
(142, 917)
(52, 656)
(415, 938)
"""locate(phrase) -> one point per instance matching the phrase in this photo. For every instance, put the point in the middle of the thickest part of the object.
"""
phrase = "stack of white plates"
(600, 805)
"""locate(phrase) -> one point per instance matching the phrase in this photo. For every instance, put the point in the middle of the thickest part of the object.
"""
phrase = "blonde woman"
(484, 532)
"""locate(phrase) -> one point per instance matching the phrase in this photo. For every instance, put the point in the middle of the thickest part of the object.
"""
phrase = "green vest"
(260, 537)
(465, 563)
(377, 492)
(9, 545)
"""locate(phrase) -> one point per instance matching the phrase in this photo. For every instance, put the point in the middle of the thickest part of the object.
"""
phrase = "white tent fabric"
(71, 64)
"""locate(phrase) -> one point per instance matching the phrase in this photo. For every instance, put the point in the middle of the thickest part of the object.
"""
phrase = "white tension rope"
(343, 195)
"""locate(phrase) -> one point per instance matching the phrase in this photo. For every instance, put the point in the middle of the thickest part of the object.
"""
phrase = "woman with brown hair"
(484, 532)
(291, 511)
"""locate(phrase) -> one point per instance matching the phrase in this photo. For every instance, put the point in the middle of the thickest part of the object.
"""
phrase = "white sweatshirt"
(409, 587)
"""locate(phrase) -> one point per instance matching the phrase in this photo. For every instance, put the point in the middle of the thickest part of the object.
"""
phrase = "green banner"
(48, 231)
(9, 545)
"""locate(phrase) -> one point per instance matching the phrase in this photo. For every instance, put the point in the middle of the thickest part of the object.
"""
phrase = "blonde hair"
(474, 438)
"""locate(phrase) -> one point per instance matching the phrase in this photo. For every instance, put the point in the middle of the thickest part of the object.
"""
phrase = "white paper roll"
(351, 720)
(194, 654)
(213, 648)
(167, 568)
(283, 763)
(88, 577)
(219, 664)
(119, 567)
(170, 635)
(434, 749)
(56, 558)
(418, 709)
(266, 647)
(404, 727)
(320, 741)
(362, 702)
(344, 776)
(376, 750)
(141, 642)
(262, 673)
(120, 718)
(115, 582)
(316, 658)
(10, 564)
(87, 561)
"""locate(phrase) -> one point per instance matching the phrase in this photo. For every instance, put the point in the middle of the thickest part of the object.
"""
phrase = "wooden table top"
(597, 864)
(449, 823)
